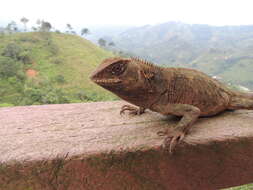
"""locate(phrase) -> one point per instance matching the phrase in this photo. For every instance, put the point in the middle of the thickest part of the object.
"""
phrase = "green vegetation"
(48, 67)
(243, 187)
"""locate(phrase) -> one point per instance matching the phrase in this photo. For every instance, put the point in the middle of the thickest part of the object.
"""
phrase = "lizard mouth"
(107, 81)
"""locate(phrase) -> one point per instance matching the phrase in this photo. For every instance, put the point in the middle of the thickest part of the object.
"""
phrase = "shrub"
(53, 49)
(24, 57)
(6, 105)
(57, 61)
(81, 95)
(28, 39)
(60, 79)
(43, 93)
(9, 67)
(17, 53)
(12, 50)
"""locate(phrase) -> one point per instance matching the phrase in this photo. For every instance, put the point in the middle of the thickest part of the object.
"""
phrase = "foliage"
(12, 27)
(243, 187)
(85, 31)
(45, 26)
(102, 42)
(111, 44)
(12, 50)
(17, 53)
(24, 20)
(6, 105)
(9, 68)
(61, 65)
(25, 57)
(57, 61)
(70, 29)
(44, 93)
(60, 79)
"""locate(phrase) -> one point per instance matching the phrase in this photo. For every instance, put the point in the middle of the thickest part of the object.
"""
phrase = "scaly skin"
(177, 91)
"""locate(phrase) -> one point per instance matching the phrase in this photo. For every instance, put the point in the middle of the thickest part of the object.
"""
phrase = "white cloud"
(140, 12)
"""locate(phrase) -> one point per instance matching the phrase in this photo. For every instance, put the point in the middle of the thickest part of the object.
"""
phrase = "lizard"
(182, 92)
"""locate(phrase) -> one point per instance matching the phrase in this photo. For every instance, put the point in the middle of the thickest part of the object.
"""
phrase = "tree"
(24, 21)
(12, 50)
(16, 53)
(9, 67)
(34, 28)
(69, 27)
(12, 27)
(2, 31)
(45, 26)
(57, 31)
(102, 42)
(111, 44)
(38, 22)
(85, 31)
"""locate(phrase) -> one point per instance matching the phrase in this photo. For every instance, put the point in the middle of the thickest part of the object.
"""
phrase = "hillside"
(225, 51)
(44, 68)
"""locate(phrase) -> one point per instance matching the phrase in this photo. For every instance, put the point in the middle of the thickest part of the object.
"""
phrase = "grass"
(69, 56)
(243, 187)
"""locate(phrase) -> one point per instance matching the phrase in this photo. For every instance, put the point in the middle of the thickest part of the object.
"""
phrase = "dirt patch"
(31, 73)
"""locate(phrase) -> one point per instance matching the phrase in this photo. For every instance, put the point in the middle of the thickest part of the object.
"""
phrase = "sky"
(81, 13)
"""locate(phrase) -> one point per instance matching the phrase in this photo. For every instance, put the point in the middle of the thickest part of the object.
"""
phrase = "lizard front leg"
(190, 114)
(132, 110)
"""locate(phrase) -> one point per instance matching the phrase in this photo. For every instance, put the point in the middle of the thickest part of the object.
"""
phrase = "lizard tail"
(248, 95)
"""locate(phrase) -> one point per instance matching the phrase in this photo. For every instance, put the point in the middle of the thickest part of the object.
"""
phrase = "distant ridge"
(225, 51)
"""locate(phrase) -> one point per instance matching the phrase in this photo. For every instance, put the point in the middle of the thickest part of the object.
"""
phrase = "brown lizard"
(178, 91)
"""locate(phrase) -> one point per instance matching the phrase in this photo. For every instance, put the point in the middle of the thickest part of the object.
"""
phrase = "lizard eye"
(118, 69)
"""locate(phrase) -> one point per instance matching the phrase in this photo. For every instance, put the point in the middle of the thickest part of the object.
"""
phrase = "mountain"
(48, 67)
(225, 51)
(105, 31)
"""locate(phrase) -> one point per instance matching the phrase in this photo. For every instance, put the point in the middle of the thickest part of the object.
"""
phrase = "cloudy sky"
(129, 12)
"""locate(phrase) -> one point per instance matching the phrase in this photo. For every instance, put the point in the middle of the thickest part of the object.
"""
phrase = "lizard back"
(188, 86)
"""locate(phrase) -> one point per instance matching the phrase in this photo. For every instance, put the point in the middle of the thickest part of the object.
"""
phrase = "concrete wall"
(90, 146)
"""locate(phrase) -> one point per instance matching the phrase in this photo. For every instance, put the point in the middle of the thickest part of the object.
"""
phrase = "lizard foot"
(172, 140)
(132, 110)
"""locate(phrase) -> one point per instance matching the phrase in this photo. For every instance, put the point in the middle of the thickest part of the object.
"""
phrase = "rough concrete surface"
(94, 147)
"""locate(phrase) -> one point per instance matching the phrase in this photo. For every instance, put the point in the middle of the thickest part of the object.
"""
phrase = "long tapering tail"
(248, 95)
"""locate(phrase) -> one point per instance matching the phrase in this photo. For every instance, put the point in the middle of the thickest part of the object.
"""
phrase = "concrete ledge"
(90, 146)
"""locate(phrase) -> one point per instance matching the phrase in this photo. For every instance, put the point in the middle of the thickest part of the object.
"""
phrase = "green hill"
(47, 67)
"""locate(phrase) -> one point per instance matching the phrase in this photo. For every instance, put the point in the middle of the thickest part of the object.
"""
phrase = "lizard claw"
(172, 140)
(132, 110)
(162, 133)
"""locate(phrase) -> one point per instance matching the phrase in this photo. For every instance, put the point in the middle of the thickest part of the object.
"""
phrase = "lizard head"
(116, 74)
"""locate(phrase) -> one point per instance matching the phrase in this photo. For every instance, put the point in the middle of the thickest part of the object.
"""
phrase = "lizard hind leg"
(132, 110)
(241, 103)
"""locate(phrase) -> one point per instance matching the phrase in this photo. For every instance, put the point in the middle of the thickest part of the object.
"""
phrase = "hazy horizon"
(124, 13)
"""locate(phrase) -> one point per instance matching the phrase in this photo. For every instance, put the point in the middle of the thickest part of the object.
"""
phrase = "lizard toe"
(132, 110)
(172, 140)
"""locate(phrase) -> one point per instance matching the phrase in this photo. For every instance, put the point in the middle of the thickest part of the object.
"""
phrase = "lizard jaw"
(106, 81)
